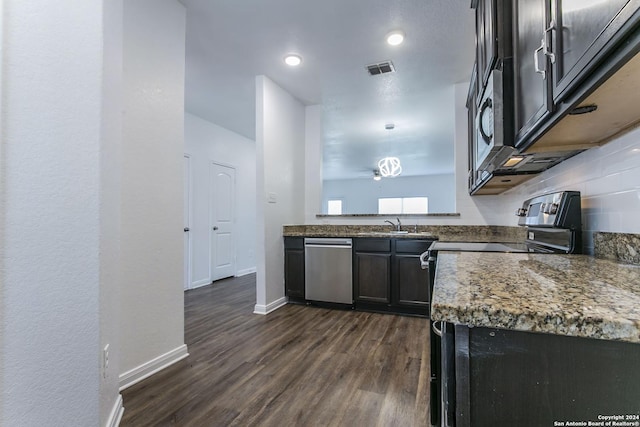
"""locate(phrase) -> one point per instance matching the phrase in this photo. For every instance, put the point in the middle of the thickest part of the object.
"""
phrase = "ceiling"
(229, 42)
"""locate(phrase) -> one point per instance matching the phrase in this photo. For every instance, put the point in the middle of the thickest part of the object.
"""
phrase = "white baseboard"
(266, 309)
(116, 413)
(246, 271)
(200, 283)
(149, 368)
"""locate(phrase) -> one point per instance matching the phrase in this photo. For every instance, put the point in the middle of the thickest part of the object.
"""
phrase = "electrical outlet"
(105, 360)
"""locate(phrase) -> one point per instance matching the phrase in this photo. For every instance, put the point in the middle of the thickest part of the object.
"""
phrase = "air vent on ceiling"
(381, 68)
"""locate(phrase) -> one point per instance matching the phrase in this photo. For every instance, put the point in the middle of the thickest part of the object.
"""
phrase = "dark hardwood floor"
(298, 366)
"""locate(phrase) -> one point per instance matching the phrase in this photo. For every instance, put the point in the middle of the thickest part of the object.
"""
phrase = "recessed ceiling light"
(293, 60)
(394, 38)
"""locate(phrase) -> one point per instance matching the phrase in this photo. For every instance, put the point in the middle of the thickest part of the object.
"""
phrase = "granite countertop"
(457, 233)
(575, 295)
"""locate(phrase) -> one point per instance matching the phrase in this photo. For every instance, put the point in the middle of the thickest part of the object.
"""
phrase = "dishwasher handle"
(327, 242)
(327, 246)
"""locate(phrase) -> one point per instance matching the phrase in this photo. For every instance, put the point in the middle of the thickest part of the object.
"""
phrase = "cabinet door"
(412, 282)
(531, 76)
(580, 32)
(485, 39)
(294, 273)
(472, 109)
(372, 277)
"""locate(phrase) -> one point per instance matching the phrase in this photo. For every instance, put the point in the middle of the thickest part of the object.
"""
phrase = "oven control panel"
(560, 210)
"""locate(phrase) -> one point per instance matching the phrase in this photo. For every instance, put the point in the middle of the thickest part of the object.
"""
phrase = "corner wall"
(110, 226)
(51, 203)
(280, 181)
(151, 293)
(206, 142)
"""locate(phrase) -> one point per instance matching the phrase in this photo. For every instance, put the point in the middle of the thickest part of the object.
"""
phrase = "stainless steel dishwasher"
(327, 270)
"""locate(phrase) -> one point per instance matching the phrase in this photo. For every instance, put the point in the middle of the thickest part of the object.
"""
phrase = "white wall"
(111, 185)
(151, 294)
(312, 162)
(280, 157)
(608, 178)
(479, 210)
(360, 196)
(59, 134)
(206, 142)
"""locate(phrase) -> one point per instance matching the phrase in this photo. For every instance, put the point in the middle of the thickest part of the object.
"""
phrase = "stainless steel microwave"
(494, 125)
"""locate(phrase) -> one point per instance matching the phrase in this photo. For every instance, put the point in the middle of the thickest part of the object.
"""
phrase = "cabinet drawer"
(372, 245)
(294, 242)
(412, 246)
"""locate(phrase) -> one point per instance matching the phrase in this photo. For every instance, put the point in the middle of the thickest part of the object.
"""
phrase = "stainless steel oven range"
(553, 225)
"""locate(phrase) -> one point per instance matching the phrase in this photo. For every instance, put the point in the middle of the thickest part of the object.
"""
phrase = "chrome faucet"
(397, 226)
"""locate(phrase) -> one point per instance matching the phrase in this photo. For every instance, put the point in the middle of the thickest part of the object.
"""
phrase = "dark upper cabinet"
(532, 96)
(472, 110)
(294, 267)
(485, 39)
(493, 36)
(557, 45)
(565, 54)
(581, 31)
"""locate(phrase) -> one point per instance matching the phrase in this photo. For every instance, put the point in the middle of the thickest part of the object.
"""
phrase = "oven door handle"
(437, 331)
(424, 261)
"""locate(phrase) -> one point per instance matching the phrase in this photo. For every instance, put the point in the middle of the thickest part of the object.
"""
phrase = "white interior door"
(186, 214)
(223, 259)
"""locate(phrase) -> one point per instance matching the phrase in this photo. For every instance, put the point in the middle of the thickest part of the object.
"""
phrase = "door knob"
(215, 227)
(186, 229)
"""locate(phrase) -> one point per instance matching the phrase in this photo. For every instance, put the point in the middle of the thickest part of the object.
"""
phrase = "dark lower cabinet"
(512, 378)
(388, 277)
(410, 284)
(373, 277)
(386, 274)
(372, 271)
(294, 267)
(412, 288)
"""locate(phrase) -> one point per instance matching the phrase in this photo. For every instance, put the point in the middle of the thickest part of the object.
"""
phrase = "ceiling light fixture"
(293, 60)
(390, 167)
(394, 38)
(376, 175)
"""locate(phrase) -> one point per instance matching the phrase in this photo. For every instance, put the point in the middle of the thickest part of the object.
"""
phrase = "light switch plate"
(271, 198)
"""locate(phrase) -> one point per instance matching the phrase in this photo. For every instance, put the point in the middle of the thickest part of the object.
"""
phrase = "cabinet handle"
(536, 64)
(486, 105)
(547, 52)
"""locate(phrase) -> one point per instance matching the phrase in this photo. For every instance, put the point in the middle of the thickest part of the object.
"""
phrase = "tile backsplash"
(608, 178)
